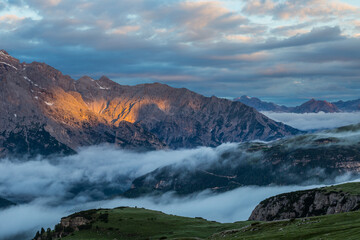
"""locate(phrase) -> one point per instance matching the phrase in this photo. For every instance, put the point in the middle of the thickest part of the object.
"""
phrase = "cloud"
(48, 3)
(22, 221)
(258, 7)
(238, 37)
(124, 30)
(292, 30)
(300, 8)
(47, 189)
(25, 219)
(311, 121)
(236, 205)
(114, 169)
(316, 35)
(193, 44)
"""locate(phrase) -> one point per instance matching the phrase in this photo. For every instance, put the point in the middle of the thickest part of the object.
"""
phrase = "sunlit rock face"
(67, 114)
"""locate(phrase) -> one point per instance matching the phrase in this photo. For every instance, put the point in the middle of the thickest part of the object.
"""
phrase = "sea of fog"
(48, 189)
(315, 121)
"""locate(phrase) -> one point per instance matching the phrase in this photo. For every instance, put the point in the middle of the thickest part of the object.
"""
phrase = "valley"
(183, 120)
(138, 223)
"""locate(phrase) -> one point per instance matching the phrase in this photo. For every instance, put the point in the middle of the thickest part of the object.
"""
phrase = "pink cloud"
(300, 8)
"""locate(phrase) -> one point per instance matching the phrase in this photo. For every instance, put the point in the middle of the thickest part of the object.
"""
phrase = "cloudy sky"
(278, 50)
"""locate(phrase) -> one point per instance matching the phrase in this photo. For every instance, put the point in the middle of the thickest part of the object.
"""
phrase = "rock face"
(308, 203)
(46, 112)
(73, 223)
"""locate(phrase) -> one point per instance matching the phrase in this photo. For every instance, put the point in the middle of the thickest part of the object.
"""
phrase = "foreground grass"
(136, 223)
(339, 226)
(132, 223)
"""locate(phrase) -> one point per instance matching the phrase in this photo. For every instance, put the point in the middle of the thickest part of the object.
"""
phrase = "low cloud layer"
(48, 189)
(315, 121)
(91, 171)
(25, 219)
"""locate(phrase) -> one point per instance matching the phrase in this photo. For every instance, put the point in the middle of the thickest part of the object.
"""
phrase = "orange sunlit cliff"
(86, 112)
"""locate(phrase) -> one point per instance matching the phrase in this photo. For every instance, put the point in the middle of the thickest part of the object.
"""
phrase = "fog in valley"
(46, 189)
(315, 121)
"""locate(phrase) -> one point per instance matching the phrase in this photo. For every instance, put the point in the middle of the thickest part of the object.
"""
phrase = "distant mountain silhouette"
(311, 106)
(315, 106)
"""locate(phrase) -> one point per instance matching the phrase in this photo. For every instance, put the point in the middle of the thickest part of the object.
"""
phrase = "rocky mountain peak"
(311, 106)
(261, 105)
(104, 79)
(5, 56)
(352, 105)
(2, 51)
(89, 112)
(8, 62)
(86, 79)
(314, 105)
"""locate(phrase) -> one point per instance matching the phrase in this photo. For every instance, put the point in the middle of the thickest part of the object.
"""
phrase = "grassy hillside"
(137, 223)
(351, 188)
(338, 226)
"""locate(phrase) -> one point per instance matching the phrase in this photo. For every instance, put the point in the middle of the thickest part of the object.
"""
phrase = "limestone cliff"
(315, 202)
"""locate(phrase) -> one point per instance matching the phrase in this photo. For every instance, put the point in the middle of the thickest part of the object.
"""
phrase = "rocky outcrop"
(305, 204)
(68, 225)
(38, 100)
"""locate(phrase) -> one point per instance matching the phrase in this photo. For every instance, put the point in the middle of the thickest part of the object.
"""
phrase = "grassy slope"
(130, 223)
(351, 188)
(137, 223)
(339, 226)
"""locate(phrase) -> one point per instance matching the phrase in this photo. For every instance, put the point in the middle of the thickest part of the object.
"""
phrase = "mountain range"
(311, 106)
(46, 112)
